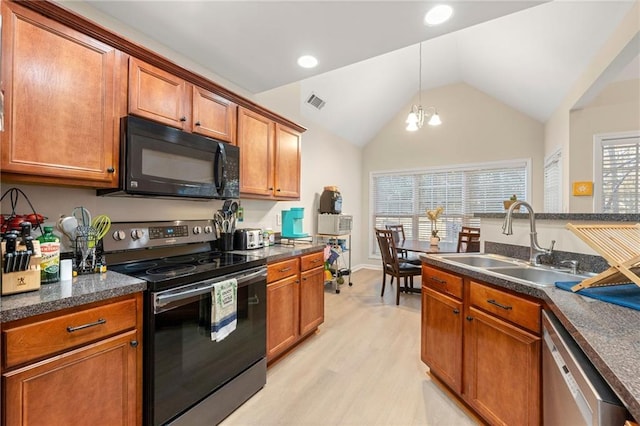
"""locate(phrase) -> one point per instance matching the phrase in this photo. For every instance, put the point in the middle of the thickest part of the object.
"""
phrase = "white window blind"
(553, 183)
(404, 197)
(617, 176)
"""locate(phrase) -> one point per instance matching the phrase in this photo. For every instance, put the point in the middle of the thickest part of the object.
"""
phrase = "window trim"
(526, 162)
(600, 140)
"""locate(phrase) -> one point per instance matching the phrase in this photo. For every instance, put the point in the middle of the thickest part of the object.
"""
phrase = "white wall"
(557, 128)
(616, 110)
(475, 128)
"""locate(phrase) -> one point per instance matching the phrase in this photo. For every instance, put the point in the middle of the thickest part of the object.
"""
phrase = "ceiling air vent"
(315, 101)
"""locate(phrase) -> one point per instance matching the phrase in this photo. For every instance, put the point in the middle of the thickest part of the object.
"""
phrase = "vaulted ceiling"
(526, 54)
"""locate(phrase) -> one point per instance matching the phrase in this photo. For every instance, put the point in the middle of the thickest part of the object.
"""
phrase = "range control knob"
(119, 235)
(136, 234)
(197, 230)
(208, 229)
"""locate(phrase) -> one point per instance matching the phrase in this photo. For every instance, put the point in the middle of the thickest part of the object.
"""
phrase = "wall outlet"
(278, 220)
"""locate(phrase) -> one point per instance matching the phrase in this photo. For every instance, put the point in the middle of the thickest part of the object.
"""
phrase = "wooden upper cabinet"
(287, 163)
(255, 140)
(157, 95)
(61, 104)
(213, 115)
(269, 158)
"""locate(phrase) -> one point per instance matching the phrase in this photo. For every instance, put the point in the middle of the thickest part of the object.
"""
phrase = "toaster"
(247, 239)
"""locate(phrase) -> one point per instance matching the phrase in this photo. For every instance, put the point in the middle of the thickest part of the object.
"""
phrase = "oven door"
(182, 364)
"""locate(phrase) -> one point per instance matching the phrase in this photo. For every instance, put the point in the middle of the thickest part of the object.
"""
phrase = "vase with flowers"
(433, 216)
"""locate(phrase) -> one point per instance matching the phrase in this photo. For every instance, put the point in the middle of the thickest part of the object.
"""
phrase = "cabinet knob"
(469, 318)
(278, 190)
(134, 343)
(456, 311)
(111, 170)
(271, 188)
(197, 123)
(183, 118)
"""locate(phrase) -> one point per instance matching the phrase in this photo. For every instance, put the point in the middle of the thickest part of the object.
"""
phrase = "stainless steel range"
(188, 377)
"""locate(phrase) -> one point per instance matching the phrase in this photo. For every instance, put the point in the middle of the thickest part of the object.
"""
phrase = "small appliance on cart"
(335, 228)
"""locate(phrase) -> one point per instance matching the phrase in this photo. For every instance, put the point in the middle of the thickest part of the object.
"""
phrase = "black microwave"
(161, 161)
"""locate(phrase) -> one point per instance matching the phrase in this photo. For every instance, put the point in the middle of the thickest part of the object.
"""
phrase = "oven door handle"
(162, 300)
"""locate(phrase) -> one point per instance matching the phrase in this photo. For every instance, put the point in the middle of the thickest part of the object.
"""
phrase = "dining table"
(419, 246)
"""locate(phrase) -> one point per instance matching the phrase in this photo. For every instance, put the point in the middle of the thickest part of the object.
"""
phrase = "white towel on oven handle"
(224, 309)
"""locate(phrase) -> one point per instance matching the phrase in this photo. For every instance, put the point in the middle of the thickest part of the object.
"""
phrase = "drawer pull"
(469, 318)
(91, 324)
(285, 269)
(499, 305)
(316, 261)
(438, 280)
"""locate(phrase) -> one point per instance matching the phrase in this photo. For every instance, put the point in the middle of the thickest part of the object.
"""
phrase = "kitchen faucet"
(536, 250)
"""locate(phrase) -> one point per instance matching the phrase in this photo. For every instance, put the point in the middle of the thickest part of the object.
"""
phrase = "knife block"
(21, 281)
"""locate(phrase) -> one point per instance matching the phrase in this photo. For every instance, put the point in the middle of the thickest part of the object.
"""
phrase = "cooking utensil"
(102, 224)
(85, 216)
(68, 226)
(10, 252)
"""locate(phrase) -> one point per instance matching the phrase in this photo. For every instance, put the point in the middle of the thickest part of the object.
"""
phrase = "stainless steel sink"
(536, 275)
(510, 268)
(480, 260)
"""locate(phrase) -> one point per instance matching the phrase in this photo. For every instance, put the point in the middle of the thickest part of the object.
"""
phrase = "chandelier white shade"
(416, 117)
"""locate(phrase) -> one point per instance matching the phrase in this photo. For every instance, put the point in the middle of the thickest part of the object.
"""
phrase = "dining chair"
(391, 264)
(399, 236)
(468, 240)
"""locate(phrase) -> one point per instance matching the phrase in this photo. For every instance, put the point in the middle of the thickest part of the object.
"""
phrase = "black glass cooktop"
(170, 271)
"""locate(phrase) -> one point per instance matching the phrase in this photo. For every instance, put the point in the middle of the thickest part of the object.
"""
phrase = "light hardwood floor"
(362, 367)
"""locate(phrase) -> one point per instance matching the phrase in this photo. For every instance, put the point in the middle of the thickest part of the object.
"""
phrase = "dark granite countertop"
(283, 251)
(95, 287)
(81, 290)
(608, 334)
(595, 217)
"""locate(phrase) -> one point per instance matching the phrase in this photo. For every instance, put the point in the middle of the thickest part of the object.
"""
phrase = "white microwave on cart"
(334, 224)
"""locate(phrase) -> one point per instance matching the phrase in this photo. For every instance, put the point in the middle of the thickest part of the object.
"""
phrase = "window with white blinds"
(553, 183)
(405, 196)
(617, 174)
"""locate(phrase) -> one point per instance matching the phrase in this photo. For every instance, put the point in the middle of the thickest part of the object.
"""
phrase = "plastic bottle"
(50, 262)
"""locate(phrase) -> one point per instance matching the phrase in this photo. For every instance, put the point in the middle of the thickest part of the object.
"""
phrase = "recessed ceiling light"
(438, 14)
(307, 61)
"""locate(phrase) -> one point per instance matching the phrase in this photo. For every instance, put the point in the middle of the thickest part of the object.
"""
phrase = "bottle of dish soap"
(50, 262)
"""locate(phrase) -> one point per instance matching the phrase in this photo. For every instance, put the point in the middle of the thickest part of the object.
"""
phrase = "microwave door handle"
(220, 178)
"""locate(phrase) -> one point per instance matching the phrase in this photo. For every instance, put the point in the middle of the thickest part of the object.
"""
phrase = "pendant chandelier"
(417, 114)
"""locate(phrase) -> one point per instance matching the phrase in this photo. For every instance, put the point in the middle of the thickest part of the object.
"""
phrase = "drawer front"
(40, 339)
(510, 307)
(310, 261)
(280, 270)
(442, 281)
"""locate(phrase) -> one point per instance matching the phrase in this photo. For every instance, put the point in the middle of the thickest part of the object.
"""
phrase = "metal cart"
(337, 264)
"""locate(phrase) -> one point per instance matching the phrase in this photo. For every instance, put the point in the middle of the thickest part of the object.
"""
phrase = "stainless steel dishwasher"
(573, 392)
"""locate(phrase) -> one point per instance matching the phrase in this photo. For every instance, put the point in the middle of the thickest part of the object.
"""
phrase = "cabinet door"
(94, 385)
(441, 340)
(282, 315)
(255, 139)
(60, 108)
(502, 370)
(287, 163)
(157, 95)
(213, 115)
(311, 300)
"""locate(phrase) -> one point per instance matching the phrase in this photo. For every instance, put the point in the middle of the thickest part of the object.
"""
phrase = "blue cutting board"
(627, 295)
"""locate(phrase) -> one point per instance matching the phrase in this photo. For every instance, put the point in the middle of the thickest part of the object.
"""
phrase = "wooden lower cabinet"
(295, 301)
(282, 315)
(441, 343)
(84, 366)
(502, 370)
(484, 345)
(93, 385)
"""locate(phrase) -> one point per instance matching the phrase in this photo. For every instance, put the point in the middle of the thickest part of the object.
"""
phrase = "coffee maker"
(292, 223)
